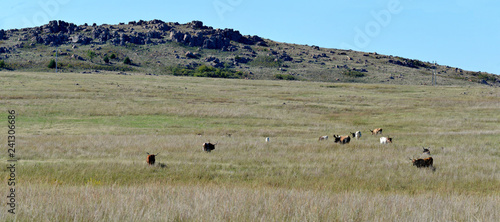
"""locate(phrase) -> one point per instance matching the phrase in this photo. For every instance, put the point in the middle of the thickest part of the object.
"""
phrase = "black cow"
(427, 162)
(208, 147)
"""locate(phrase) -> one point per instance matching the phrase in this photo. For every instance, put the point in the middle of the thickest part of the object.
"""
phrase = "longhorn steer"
(323, 138)
(385, 140)
(342, 139)
(376, 131)
(208, 147)
(426, 151)
(151, 158)
(427, 162)
(356, 135)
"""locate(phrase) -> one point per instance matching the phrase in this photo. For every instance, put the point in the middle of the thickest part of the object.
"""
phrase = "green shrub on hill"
(352, 73)
(91, 54)
(127, 61)
(206, 71)
(106, 59)
(2, 64)
(52, 64)
(284, 77)
(485, 77)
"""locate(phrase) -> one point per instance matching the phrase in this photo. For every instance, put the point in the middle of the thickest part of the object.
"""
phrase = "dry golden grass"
(228, 203)
(83, 138)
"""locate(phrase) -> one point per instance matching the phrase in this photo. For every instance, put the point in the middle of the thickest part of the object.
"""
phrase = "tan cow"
(376, 131)
(342, 139)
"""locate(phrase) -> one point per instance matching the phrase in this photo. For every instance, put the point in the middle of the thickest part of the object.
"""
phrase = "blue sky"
(458, 33)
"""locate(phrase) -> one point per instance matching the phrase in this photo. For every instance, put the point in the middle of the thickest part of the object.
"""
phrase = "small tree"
(106, 59)
(112, 56)
(127, 61)
(91, 54)
(52, 64)
(2, 64)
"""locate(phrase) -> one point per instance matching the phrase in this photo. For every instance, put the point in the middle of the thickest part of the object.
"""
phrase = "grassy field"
(82, 141)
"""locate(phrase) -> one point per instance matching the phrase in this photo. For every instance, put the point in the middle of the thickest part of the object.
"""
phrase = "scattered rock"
(192, 55)
(75, 56)
(212, 59)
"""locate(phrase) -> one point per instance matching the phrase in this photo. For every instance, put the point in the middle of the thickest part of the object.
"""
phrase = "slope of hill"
(157, 48)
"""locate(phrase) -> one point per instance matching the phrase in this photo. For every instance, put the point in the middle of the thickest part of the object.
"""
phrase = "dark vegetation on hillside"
(194, 49)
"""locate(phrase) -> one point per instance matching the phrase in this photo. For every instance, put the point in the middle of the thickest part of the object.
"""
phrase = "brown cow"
(342, 139)
(151, 158)
(376, 131)
(427, 162)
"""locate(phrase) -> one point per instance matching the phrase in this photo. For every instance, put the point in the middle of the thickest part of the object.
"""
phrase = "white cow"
(356, 135)
(323, 138)
(385, 140)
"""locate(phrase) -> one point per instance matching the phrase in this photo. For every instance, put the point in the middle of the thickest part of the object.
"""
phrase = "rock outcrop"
(193, 34)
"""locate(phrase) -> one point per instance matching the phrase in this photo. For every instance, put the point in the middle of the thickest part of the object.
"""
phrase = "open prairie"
(82, 139)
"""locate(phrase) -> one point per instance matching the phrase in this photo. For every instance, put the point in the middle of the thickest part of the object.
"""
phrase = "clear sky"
(458, 33)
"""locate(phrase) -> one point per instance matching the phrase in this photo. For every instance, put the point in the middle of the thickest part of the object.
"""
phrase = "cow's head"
(336, 138)
(426, 150)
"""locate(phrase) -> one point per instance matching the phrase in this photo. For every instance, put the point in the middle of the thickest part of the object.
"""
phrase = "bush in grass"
(112, 56)
(106, 59)
(206, 71)
(485, 77)
(352, 73)
(285, 77)
(91, 54)
(127, 61)
(2, 64)
(52, 64)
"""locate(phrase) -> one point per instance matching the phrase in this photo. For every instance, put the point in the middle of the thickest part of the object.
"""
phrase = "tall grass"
(228, 203)
(83, 138)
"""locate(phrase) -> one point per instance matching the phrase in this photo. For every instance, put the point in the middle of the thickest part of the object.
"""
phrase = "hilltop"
(194, 49)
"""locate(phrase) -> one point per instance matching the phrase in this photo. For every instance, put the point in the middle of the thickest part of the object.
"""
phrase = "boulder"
(192, 55)
(75, 56)
(52, 39)
(176, 36)
(216, 42)
(4, 50)
(84, 40)
(101, 35)
(285, 57)
(196, 24)
(155, 21)
(59, 26)
(154, 34)
(163, 27)
(212, 59)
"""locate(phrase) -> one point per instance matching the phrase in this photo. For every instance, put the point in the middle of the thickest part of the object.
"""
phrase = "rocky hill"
(193, 49)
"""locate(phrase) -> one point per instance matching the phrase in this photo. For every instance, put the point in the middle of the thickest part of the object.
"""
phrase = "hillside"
(160, 48)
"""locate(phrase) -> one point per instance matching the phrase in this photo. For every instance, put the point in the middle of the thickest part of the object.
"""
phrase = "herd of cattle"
(357, 135)
(419, 163)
